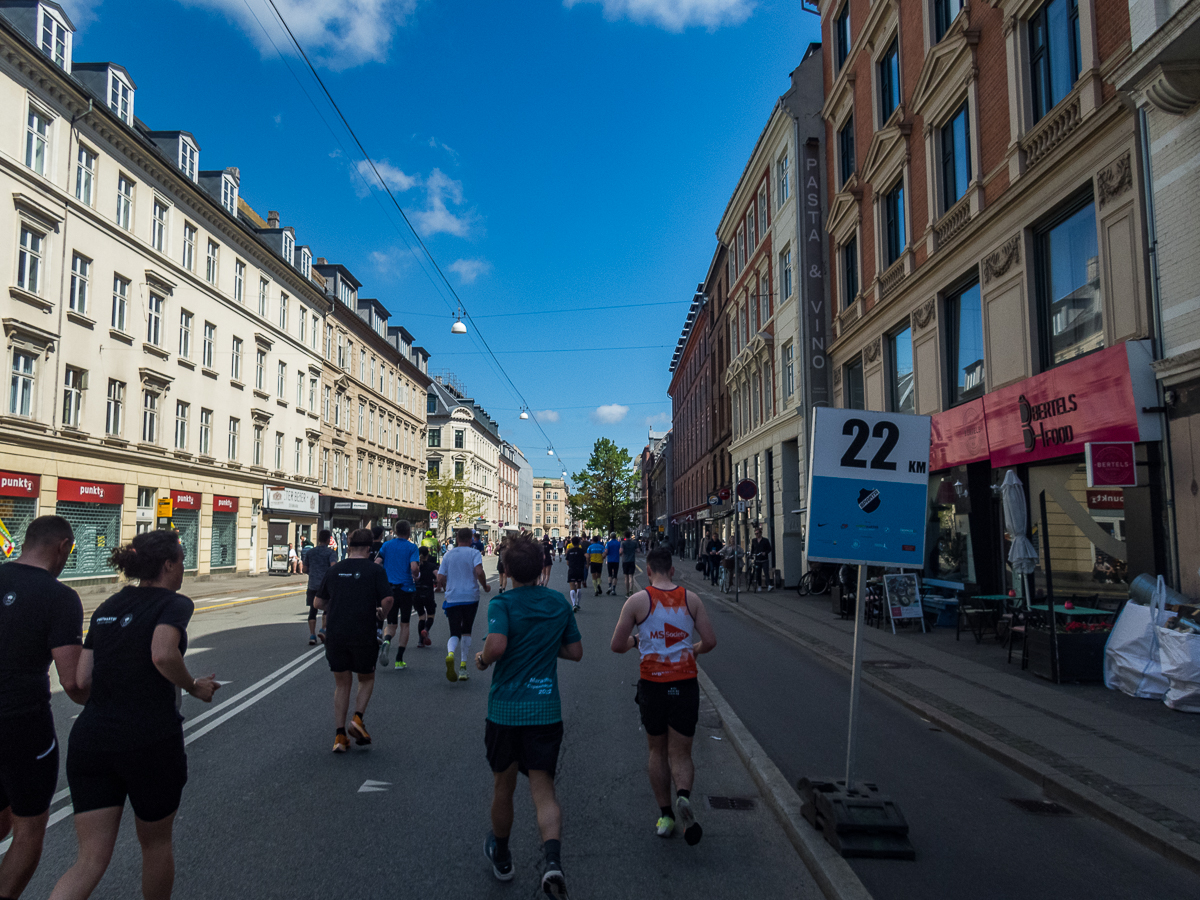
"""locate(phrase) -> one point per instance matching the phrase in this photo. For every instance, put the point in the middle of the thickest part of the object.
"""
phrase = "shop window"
(950, 554)
(97, 528)
(1067, 265)
(1053, 54)
(15, 515)
(223, 546)
(900, 380)
(964, 320)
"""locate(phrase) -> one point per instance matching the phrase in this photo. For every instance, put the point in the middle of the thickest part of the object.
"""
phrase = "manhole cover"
(1040, 807)
(739, 803)
(886, 664)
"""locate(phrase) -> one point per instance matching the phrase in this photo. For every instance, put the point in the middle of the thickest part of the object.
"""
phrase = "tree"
(605, 495)
(451, 497)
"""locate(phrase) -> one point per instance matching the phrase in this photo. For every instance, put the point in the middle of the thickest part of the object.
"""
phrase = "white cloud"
(393, 177)
(470, 269)
(661, 418)
(81, 12)
(675, 15)
(338, 34)
(610, 414)
(436, 217)
(546, 415)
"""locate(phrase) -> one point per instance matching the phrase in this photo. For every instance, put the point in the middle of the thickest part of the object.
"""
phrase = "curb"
(830, 871)
(1053, 783)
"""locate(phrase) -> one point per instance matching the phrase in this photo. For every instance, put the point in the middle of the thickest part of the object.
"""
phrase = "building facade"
(508, 474)
(464, 443)
(551, 513)
(988, 259)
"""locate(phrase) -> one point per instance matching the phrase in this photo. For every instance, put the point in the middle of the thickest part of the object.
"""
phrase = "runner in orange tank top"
(666, 618)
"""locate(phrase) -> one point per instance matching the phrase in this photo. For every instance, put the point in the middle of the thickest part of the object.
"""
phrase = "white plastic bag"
(1131, 656)
(1179, 656)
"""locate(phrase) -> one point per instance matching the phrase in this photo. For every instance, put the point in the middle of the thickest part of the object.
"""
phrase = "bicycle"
(814, 581)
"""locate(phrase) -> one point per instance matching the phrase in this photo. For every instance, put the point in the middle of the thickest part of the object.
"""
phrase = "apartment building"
(509, 477)
(464, 443)
(551, 514)
(988, 259)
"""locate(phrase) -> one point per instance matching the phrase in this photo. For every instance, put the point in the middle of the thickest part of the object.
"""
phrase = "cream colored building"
(551, 514)
(464, 442)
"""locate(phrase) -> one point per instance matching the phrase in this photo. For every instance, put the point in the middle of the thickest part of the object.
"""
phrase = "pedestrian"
(547, 560)
(461, 576)
(354, 592)
(426, 604)
(128, 741)
(712, 556)
(400, 558)
(612, 553)
(576, 570)
(293, 560)
(501, 573)
(760, 550)
(665, 617)
(629, 550)
(529, 629)
(595, 553)
(315, 565)
(41, 620)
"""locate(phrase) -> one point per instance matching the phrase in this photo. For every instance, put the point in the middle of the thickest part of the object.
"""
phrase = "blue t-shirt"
(613, 549)
(537, 622)
(398, 556)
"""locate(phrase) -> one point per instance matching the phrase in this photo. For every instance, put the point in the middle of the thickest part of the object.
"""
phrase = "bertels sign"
(287, 499)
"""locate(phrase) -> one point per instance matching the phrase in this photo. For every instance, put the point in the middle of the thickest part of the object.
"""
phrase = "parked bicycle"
(814, 581)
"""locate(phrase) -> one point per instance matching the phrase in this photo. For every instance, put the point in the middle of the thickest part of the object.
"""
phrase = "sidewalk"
(1134, 764)
(209, 589)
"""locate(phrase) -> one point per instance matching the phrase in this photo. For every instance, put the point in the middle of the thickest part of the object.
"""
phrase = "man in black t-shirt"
(41, 620)
(576, 570)
(760, 549)
(353, 593)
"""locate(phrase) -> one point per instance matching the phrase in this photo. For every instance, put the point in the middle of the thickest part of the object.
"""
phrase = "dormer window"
(305, 262)
(187, 159)
(55, 39)
(120, 97)
(289, 248)
(347, 293)
(229, 195)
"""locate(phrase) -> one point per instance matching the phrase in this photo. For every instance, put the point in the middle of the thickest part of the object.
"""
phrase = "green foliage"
(605, 492)
(449, 498)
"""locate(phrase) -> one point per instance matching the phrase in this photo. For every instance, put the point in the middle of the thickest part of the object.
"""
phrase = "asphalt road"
(270, 812)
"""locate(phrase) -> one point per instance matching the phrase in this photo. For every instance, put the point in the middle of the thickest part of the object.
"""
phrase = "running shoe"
(321, 635)
(383, 653)
(358, 731)
(341, 743)
(553, 883)
(462, 673)
(502, 868)
(451, 675)
(664, 827)
(423, 640)
(400, 664)
(687, 819)
(312, 639)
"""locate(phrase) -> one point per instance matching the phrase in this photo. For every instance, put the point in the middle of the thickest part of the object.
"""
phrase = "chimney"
(273, 219)
(321, 261)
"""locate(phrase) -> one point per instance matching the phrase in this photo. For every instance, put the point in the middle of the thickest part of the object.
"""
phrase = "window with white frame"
(74, 381)
(158, 225)
(149, 417)
(120, 97)
(298, 455)
(305, 262)
(229, 194)
(283, 311)
(185, 334)
(324, 466)
(120, 303)
(762, 210)
(235, 369)
(205, 432)
(182, 413)
(289, 248)
(358, 475)
(187, 159)
(741, 249)
(154, 314)
(362, 420)
(751, 232)
(346, 293)
(300, 390)
(785, 275)
(239, 281)
(315, 333)
(281, 380)
(362, 366)
(262, 297)
(260, 369)
(20, 396)
(278, 451)
(125, 202)
(55, 38)
(81, 270)
(37, 140)
(372, 381)
(209, 345)
(189, 247)
(256, 456)
(114, 408)
(210, 262)
(325, 396)
(341, 351)
(29, 260)
(764, 301)
(85, 175)
(302, 321)
(312, 393)
(789, 369)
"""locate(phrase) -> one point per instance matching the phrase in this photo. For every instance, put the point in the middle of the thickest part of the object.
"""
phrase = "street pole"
(860, 590)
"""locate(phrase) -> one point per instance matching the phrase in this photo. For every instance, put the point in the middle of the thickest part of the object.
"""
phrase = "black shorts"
(425, 603)
(595, 567)
(576, 575)
(499, 567)
(612, 569)
(309, 596)
(529, 746)
(402, 605)
(669, 703)
(357, 658)
(28, 764)
(462, 618)
(629, 568)
(151, 776)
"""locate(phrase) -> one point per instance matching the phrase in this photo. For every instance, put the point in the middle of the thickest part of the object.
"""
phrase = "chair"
(978, 615)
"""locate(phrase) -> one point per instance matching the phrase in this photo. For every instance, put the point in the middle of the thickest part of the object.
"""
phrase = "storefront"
(18, 507)
(1101, 536)
(185, 517)
(223, 543)
(343, 516)
(94, 510)
(291, 515)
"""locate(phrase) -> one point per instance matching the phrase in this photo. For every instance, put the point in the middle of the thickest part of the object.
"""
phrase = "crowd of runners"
(128, 673)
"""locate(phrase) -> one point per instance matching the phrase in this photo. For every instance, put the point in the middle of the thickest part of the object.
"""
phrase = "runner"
(353, 591)
(430, 543)
(577, 559)
(400, 561)
(547, 560)
(760, 549)
(529, 630)
(629, 549)
(595, 553)
(315, 565)
(426, 604)
(41, 620)
(461, 576)
(665, 616)
(612, 552)
(128, 741)
(501, 575)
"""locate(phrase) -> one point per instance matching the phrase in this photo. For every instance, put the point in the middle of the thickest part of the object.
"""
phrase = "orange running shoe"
(358, 731)
(341, 743)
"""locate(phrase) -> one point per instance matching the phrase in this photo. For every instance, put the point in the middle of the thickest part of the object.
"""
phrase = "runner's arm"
(83, 671)
(164, 653)
(494, 646)
(66, 663)
(623, 640)
(708, 637)
(573, 652)
(482, 579)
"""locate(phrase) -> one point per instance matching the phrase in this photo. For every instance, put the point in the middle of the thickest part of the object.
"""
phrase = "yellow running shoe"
(451, 675)
(462, 673)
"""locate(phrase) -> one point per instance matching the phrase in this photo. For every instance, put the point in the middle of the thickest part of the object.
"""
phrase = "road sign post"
(747, 490)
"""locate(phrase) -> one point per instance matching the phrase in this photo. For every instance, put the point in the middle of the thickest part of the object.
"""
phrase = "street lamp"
(459, 327)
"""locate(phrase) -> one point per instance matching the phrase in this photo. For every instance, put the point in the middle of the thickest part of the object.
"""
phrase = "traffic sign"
(868, 488)
(747, 489)
(741, 507)
(714, 500)
(433, 516)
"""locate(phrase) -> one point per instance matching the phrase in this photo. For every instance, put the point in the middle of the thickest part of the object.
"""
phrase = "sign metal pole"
(855, 672)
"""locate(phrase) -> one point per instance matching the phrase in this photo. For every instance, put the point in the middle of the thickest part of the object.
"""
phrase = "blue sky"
(567, 162)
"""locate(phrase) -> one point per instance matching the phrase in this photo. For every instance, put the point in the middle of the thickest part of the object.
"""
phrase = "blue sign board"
(868, 488)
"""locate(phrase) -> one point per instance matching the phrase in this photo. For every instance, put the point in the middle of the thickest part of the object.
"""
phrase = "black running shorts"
(674, 704)
(28, 764)
(576, 575)
(151, 776)
(629, 568)
(529, 746)
(309, 596)
(612, 569)
(596, 568)
(402, 605)
(425, 603)
(358, 658)
(462, 618)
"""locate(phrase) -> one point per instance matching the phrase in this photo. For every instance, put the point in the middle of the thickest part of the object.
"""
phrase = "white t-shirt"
(458, 565)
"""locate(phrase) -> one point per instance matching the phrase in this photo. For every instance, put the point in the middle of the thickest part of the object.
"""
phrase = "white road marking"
(370, 786)
(191, 651)
(237, 709)
(195, 720)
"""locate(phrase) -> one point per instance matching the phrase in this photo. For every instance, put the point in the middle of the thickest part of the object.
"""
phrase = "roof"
(98, 66)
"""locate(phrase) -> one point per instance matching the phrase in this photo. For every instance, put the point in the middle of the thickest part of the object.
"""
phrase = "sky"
(566, 162)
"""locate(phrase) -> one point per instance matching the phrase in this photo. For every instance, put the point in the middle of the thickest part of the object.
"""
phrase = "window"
(189, 247)
(210, 340)
(185, 334)
(306, 262)
(846, 151)
(229, 194)
(125, 203)
(149, 417)
(37, 140)
(299, 454)
(358, 476)
(256, 446)
(315, 333)
(841, 35)
(29, 261)
(205, 431)
(362, 420)
(956, 157)
(120, 98)
(114, 408)
(289, 248)
(187, 159)
(901, 381)
(893, 216)
(964, 315)
(210, 262)
(158, 225)
(762, 210)
(235, 369)
(458, 468)
(54, 39)
(262, 297)
(789, 369)
(434, 468)
(312, 393)
(182, 411)
(81, 268)
(283, 312)
(278, 451)
(785, 275)
(741, 249)
(325, 393)
(120, 304)
(303, 322)
(85, 175)
(944, 14)
(1068, 284)
(372, 381)
(260, 369)
(431, 404)
(280, 380)
(459, 439)
(341, 351)
(299, 390)
(20, 397)
(1053, 53)
(324, 466)
(764, 301)
(154, 311)
(371, 477)
(855, 391)
(889, 82)
(435, 437)
(362, 366)
(73, 384)
(239, 281)
(752, 235)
